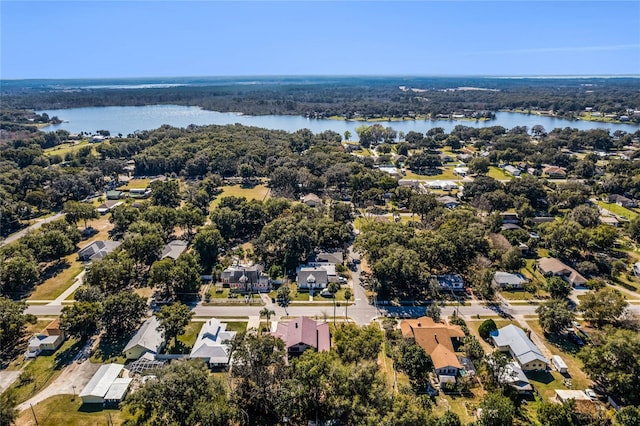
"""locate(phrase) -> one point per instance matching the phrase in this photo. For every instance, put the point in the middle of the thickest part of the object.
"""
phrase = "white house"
(509, 281)
(147, 339)
(512, 170)
(211, 344)
(512, 339)
(312, 278)
(49, 339)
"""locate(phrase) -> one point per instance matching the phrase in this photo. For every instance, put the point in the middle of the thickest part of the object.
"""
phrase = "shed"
(559, 364)
(117, 391)
(94, 392)
(563, 395)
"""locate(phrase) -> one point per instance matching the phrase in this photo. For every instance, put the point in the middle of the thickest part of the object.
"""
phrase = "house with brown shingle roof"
(303, 333)
(437, 340)
(551, 266)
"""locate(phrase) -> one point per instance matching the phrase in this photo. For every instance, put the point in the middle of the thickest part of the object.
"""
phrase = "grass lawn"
(558, 345)
(257, 192)
(64, 148)
(498, 174)
(65, 410)
(294, 295)
(237, 326)
(518, 295)
(135, 183)
(462, 406)
(618, 210)
(111, 350)
(446, 173)
(42, 370)
(58, 283)
(186, 340)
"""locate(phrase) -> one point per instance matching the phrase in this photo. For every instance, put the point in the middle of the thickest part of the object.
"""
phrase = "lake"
(126, 120)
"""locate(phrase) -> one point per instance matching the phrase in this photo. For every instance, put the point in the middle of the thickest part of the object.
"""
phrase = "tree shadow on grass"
(562, 342)
(65, 357)
(111, 347)
(540, 376)
(54, 269)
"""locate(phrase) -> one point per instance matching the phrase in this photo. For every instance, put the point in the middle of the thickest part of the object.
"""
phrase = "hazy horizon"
(132, 39)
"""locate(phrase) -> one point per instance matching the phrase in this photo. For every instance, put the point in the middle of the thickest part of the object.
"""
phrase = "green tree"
(497, 410)
(353, 343)
(554, 316)
(12, 323)
(552, 414)
(449, 418)
(486, 328)
(267, 313)
(433, 311)
(122, 312)
(284, 295)
(174, 319)
(8, 410)
(634, 229)
(76, 211)
(614, 362)
(115, 272)
(190, 217)
(257, 376)
(81, 319)
(207, 243)
(405, 412)
(604, 306)
(122, 217)
(347, 298)
(479, 165)
(557, 287)
(333, 289)
(472, 347)
(628, 416)
(18, 274)
(416, 363)
(165, 193)
(143, 249)
(183, 393)
(512, 260)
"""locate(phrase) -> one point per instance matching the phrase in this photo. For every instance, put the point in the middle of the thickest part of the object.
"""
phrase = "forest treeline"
(353, 97)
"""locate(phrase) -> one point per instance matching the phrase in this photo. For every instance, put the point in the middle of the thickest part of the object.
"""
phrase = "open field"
(618, 210)
(67, 410)
(135, 183)
(258, 192)
(65, 148)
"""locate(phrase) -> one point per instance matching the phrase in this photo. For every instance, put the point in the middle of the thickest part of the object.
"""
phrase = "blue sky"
(92, 39)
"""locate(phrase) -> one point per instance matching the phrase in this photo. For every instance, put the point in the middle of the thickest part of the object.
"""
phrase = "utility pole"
(34, 414)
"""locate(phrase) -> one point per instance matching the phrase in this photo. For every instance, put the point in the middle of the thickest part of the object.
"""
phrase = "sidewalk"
(79, 280)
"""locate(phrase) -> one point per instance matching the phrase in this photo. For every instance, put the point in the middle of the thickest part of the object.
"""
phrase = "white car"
(591, 393)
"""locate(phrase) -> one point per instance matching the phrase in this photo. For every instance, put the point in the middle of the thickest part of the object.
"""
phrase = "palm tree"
(333, 289)
(347, 297)
(267, 313)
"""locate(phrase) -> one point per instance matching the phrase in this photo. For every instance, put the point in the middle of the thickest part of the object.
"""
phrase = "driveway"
(15, 236)
(6, 378)
(71, 381)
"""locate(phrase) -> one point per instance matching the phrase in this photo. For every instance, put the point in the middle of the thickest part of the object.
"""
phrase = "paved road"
(17, 235)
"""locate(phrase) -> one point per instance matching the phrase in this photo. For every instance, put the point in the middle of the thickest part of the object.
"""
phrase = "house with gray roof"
(513, 339)
(508, 280)
(97, 250)
(312, 278)
(147, 339)
(173, 249)
(245, 279)
(549, 266)
(211, 344)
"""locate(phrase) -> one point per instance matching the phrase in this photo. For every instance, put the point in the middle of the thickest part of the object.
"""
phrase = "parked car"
(591, 393)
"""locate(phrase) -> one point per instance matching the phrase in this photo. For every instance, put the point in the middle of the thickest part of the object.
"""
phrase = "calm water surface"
(126, 120)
